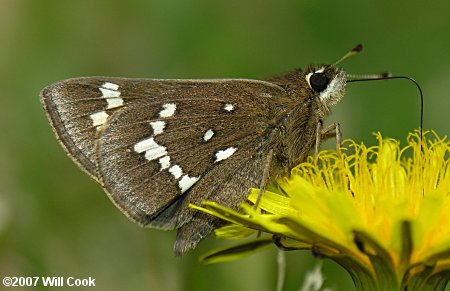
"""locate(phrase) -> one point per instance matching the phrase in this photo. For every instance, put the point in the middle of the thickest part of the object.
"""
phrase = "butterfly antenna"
(356, 50)
(388, 76)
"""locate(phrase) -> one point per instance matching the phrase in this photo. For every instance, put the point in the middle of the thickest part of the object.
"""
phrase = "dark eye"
(318, 82)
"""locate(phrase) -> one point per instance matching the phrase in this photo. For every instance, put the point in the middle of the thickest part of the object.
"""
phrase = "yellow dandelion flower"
(381, 212)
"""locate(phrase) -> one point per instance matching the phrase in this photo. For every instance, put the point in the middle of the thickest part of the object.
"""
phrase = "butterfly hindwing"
(160, 149)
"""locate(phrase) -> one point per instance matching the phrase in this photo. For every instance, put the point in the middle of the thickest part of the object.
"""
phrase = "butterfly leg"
(333, 130)
(265, 177)
(318, 138)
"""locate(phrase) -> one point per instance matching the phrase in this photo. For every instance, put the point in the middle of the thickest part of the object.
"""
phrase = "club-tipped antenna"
(356, 50)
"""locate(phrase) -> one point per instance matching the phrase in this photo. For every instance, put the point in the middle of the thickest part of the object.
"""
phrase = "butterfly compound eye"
(318, 82)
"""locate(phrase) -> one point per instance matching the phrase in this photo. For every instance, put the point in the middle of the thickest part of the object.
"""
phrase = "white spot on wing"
(228, 107)
(109, 85)
(107, 93)
(165, 162)
(224, 154)
(176, 171)
(114, 102)
(99, 118)
(168, 110)
(158, 127)
(151, 148)
(186, 182)
(144, 145)
(208, 135)
(154, 153)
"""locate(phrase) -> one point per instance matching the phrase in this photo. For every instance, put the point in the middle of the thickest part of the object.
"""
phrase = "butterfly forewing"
(161, 149)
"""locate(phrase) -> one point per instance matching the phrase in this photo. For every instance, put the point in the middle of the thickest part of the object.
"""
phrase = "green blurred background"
(55, 221)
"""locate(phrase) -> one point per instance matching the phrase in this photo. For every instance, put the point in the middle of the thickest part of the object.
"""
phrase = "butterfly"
(157, 145)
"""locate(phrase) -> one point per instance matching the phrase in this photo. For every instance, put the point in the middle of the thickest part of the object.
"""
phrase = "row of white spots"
(110, 92)
(152, 149)
(155, 151)
(112, 95)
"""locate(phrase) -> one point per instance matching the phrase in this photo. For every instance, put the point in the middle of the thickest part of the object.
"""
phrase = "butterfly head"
(327, 82)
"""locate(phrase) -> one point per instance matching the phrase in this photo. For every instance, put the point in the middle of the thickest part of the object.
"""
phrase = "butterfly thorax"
(309, 104)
